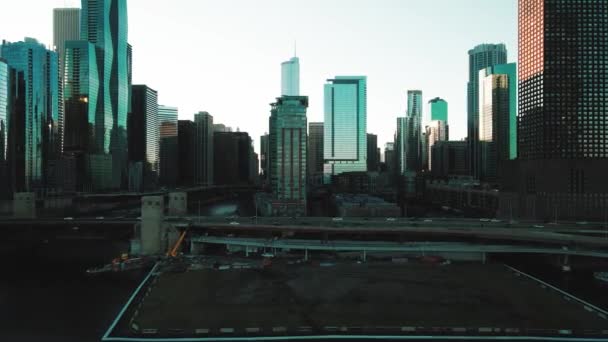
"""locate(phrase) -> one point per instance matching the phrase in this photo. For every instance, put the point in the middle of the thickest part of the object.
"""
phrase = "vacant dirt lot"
(359, 295)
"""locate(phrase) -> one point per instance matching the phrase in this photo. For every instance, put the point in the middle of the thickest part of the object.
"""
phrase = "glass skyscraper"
(436, 130)
(42, 116)
(290, 77)
(439, 109)
(288, 151)
(66, 26)
(167, 119)
(345, 126)
(5, 101)
(480, 57)
(104, 23)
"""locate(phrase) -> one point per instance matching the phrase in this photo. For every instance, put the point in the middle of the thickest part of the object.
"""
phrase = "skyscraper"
(144, 136)
(186, 131)
(6, 104)
(562, 138)
(203, 148)
(439, 109)
(167, 119)
(372, 153)
(497, 118)
(104, 23)
(264, 157)
(345, 126)
(315, 150)
(42, 139)
(66, 26)
(408, 143)
(288, 149)
(480, 57)
(232, 156)
(290, 77)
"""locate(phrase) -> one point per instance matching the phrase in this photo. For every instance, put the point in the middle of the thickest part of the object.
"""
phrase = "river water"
(46, 296)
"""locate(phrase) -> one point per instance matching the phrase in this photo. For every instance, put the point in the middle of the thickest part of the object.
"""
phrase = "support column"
(364, 256)
(306, 255)
(152, 208)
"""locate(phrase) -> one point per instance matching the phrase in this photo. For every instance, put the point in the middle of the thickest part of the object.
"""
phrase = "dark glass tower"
(480, 57)
(563, 115)
(167, 119)
(104, 23)
(144, 135)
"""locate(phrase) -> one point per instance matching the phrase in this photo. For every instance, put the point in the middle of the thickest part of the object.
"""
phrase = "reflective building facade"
(562, 128)
(104, 23)
(41, 115)
(167, 119)
(290, 77)
(186, 131)
(288, 151)
(5, 113)
(439, 109)
(480, 57)
(66, 26)
(345, 125)
(315, 149)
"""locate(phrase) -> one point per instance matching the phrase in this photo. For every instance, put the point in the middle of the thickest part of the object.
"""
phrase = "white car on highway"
(234, 223)
(68, 218)
(337, 219)
(390, 219)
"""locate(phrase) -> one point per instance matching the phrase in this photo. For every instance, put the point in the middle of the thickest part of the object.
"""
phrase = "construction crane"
(173, 251)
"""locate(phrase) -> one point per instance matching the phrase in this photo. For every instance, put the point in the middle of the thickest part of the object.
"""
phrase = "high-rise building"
(288, 151)
(290, 77)
(450, 158)
(203, 148)
(232, 158)
(264, 157)
(41, 140)
(315, 149)
(221, 128)
(497, 118)
(414, 103)
(66, 26)
(167, 119)
(390, 160)
(373, 162)
(186, 132)
(345, 126)
(437, 130)
(144, 135)
(439, 109)
(104, 23)
(480, 57)
(562, 140)
(408, 144)
(6, 105)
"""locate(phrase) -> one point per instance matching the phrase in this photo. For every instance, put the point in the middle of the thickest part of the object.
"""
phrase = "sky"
(224, 56)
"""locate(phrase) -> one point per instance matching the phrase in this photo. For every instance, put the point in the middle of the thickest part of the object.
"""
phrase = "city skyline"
(391, 68)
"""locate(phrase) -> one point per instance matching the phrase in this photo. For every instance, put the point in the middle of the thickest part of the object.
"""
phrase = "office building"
(221, 128)
(345, 125)
(290, 77)
(104, 24)
(288, 151)
(232, 158)
(168, 154)
(450, 158)
(373, 158)
(437, 130)
(315, 153)
(144, 135)
(66, 26)
(39, 135)
(480, 57)
(562, 140)
(497, 118)
(439, 109)
(390, 159)
(186, 131)
(264, 158)
(6, 108)
(203, 149)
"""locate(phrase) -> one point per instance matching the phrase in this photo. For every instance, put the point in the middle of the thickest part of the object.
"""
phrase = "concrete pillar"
(306, 255)
(152, 208)
(364, 256)
(24, 205)
(178, 203)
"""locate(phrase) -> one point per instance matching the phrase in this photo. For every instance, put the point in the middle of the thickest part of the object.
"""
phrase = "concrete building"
(315, 153)
(186, 131)
(437, 130)
(265, 158)
(144, 134)
(373, 158)
(562, 140)
(233, 159)
(203, 148)
(480, 57)
(450, 158)
(66, 26)
(288, 151)
(345, 125)
(168, 152)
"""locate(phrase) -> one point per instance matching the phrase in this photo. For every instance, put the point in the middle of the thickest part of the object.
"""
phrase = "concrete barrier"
(201, 331)
(227, 330)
